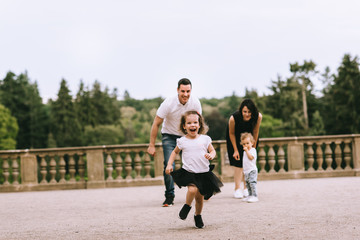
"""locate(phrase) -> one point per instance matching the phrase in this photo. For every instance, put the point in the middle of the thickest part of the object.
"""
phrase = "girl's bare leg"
(190, 195)
(199, 202)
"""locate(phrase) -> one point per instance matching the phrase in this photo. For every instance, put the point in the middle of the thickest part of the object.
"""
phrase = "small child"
(249, 166)
(195, 173)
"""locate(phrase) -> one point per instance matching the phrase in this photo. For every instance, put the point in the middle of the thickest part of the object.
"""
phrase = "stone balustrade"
(130, 165)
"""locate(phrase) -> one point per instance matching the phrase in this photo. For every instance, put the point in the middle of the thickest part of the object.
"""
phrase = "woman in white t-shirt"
(195, 173)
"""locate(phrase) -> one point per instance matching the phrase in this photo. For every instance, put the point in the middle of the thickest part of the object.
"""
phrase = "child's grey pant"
(251, 180)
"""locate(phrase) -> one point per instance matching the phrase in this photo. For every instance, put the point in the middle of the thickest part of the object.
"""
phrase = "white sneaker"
(252, 199)
(246, 193)
(245, 199)
(238, 193)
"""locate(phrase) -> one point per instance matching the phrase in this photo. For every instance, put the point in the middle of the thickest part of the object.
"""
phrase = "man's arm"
(153, 133)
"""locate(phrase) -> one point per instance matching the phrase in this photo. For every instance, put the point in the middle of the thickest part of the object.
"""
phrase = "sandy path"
(325, 208)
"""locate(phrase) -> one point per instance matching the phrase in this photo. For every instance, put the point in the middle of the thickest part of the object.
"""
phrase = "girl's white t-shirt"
(193, 153)
(249, 165)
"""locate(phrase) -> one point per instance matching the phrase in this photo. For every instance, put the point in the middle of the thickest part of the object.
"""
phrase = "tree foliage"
(65, 126)
(22, 98)
(8, 129)
(95, 116)
(343, 105)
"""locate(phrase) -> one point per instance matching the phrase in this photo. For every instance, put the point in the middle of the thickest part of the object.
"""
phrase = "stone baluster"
(328, 156)
(118, 166)
(72, 168)
(109, 167)
(52, 169)
(15, 170)
(177, 162)
(262, 160)
(147, 166)
(43, 170)
(319, 157)
(6, 172)
(81, 166)
(128, 167)
(347, 155)
(310, 157)
(338, 157)
(281, 158)
(271, 155)
(62, 169)
(137, 167)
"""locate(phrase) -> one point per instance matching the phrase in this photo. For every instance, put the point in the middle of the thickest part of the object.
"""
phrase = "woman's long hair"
(253, 109)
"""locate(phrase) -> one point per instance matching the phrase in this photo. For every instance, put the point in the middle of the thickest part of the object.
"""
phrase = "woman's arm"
(236, 154)
(256, 129)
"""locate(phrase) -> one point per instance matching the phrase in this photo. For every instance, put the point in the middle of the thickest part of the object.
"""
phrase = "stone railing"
(130, 165)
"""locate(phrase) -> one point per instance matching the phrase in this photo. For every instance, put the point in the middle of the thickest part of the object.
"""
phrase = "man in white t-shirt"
(169, 114)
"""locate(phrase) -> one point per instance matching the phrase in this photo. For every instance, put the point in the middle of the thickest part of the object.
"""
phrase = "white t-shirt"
(171, 111)
(249, 165)
(193, 153)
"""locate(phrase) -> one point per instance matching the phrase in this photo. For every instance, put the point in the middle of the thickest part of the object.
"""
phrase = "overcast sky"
(146, 46)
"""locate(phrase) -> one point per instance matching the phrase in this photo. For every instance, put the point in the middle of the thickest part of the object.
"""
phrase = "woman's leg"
(238, 177)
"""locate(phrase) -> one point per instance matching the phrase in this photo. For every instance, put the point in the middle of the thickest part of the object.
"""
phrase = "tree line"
(96, 116)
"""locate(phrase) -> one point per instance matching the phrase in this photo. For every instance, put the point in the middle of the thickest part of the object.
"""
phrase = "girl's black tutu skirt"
(207, 183)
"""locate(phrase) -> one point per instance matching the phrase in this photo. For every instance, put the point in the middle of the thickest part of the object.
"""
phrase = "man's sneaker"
(169, 201)
(198, 221)
(252, 199)
(238, 193)
(246, 193)
(184, 211)
(245, 199)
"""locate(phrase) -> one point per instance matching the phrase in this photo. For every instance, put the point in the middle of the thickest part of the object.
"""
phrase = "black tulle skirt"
(207, 183)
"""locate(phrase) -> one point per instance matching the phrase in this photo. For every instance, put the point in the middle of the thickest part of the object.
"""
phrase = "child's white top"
(171, 111)
(193, 153)
(249, 165)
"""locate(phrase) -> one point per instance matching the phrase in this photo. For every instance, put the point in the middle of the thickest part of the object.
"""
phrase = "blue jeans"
(168, 144)
(251, 180)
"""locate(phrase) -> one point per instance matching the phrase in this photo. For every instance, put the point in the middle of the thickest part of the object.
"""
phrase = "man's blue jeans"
(168, 143)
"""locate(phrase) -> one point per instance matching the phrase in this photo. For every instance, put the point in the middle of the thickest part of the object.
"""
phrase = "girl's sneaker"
(184, 211)
(198, 221)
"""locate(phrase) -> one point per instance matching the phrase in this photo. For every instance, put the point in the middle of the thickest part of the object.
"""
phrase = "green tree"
(271, 127)
(345, 98)
(217, 125)
(22, 98)
(8, 129)
(318, 127)
(65, 125)
(103, 135)
(303, 73)
(84, 108)
(105, 105)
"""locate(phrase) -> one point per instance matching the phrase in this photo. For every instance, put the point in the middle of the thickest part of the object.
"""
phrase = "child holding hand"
(195, 172)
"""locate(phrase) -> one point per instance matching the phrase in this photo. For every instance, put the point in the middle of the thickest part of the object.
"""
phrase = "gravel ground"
(323, 208)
